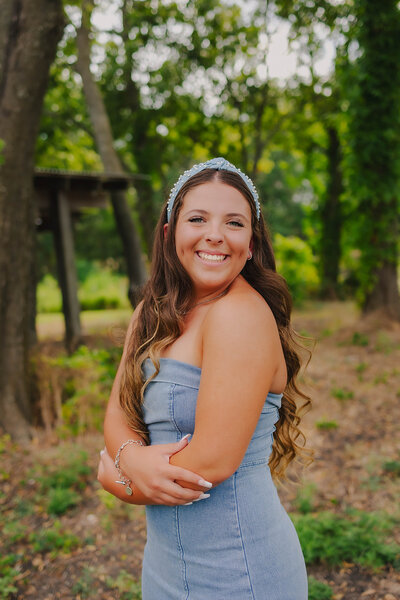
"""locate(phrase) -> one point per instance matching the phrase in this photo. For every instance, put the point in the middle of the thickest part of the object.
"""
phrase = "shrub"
(318, 590)
(48, 295)
(53, 539)
(295, 261)
(304, 501)
(326, 425)
(60, 500)
(358, 537)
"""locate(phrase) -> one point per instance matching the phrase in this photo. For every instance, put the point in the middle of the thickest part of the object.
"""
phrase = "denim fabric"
(239, 544)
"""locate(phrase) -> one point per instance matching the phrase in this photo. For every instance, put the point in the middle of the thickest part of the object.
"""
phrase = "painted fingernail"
(101, 452)
(185, 436)
(187, 503)
(202, 497)
(205, 483)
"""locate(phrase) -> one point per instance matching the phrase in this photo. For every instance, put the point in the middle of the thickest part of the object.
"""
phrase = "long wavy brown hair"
(169, 295)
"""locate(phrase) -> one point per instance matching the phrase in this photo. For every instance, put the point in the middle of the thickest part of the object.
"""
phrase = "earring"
(250, 255)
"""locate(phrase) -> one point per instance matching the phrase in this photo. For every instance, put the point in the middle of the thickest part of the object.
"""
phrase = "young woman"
(210, 354)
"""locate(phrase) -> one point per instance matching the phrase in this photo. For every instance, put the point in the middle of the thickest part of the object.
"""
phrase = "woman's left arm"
(241, 352)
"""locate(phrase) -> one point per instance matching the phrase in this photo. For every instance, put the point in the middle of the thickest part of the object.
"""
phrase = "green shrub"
(84, 381)
(72, 474)
(342, 394)
(103, 289)
(127, 586)
(8, 574)
(53, 539)
(295, 261)
(359, 339)
(318, 590)
(326, 425)
(359, 537)
(48, 295)
(60, 500)
(100, 289)
(304, 501)
(392, 467)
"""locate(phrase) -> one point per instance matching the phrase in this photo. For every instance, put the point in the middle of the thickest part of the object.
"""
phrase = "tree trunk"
(105, 145)
(331, 219)
(29, 33)
(385, 294)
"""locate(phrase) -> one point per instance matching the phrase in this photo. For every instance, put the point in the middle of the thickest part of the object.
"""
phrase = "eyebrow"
(205, 212)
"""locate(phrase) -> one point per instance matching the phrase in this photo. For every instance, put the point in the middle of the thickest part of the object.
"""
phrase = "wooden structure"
(60, 197)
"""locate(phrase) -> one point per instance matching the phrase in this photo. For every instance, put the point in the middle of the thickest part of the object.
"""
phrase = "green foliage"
(359, 537)
(359, 339)
(342, 393)
(103, 289)
(48, 298)
(85, 378)
(297, 265)
(326, 425)
(392, 467)
(126, 584)
(374, 138)
(61, 500)
(73, 473)
(84, 585)
(53, 539)
(304, 501)
(62, 486)
(100, 289)
(317, 590)
(8, 573)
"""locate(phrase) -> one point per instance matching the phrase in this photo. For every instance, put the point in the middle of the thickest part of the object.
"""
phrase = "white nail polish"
(205, 483)
(202, 497)
(187, 503)
(185, 436)
(101, 452)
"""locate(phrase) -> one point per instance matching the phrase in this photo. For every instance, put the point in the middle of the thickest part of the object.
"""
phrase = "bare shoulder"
(243, 307)
(242, 318)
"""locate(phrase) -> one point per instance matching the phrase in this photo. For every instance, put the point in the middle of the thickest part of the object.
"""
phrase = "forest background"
(158, 87)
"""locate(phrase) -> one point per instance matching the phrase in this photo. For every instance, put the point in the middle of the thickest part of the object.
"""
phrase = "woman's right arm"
(147, 466)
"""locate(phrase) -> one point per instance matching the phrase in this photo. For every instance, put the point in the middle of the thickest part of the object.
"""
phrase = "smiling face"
(213, 236)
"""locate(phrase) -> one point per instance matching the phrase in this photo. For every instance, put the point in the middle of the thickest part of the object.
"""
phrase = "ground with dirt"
(94, 548)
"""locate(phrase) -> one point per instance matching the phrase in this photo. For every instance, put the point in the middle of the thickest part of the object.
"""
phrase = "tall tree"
(375, 141)
(105, 144)
(29, 33)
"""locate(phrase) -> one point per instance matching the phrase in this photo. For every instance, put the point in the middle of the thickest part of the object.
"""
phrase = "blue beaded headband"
(219, 164)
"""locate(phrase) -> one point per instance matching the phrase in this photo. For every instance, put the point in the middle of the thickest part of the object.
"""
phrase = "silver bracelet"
(122, 479)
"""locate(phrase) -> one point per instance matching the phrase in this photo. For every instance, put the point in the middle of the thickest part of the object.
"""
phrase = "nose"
(213, 234)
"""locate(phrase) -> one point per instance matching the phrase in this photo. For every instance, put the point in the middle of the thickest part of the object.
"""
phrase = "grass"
(127, 586)
(358, 537)
(342, 393)
(392, 467)
(326, 425)
(100, 289)
(318, 590)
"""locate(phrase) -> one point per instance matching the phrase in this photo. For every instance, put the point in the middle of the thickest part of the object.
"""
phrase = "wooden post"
(68, 281)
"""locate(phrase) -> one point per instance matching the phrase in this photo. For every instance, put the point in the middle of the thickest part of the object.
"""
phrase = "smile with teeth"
(212, 257)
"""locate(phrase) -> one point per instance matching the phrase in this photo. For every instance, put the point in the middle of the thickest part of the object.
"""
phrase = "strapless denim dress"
(239, 544)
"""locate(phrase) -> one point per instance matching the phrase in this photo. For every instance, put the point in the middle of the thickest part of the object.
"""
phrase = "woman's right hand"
(150, 471)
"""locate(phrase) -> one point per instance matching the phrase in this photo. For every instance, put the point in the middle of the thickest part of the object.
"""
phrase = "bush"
(100, 289)
(103, 289)
(48, 295)
(318, 590)
(359, 538)
(295, 261)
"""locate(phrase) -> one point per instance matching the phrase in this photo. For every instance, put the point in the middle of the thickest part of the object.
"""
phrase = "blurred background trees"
(180, 82)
